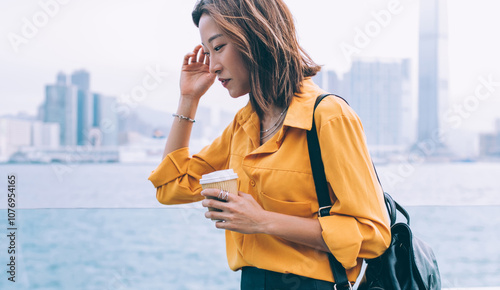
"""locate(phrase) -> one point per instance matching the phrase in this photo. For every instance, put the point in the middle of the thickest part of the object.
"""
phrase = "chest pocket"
(295, 208)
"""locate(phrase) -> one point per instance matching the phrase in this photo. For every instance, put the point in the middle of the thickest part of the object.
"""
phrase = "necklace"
(277, 121)
(274, 127)
(269, 134)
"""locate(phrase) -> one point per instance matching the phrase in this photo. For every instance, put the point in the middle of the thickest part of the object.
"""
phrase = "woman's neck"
(270, 117)
(271, 122)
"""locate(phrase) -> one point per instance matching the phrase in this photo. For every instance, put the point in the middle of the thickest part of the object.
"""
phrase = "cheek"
(243, 72)
(244, 78)
(240, 68)
(238, 63)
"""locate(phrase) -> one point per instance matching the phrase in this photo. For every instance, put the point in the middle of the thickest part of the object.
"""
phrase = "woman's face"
(225, 60)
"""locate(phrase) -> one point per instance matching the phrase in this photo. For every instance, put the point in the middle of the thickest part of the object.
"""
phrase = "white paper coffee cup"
(226, 180)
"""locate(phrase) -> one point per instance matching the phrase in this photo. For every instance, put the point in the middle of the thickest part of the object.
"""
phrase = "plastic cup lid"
(218, 176)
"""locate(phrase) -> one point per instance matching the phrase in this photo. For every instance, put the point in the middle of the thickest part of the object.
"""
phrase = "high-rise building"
(45, 135)
(379, 91)
(490, 143)
(85, 116)
(81, 79)
(61, 107)
(329, 81)
(14, 133)
(105, 122)
(432, 69)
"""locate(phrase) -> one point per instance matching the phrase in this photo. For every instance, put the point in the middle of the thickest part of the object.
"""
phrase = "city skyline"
(84, 117)
(75, 124)
(119, 51)
(125, 55)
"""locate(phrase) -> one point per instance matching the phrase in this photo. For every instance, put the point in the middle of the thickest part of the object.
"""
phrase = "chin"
(236, 95)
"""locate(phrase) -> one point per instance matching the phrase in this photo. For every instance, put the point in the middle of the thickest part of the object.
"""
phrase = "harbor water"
(99, 226)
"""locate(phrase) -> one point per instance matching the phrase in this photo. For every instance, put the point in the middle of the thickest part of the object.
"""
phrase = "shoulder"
(334, 108)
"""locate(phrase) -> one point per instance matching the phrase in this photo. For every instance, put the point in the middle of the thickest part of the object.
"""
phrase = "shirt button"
(252, 182)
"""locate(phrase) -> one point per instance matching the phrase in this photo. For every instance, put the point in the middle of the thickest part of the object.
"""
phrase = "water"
(100, 227)
(119, 249)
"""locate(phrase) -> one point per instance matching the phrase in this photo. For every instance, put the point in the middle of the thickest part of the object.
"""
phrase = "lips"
(224, 82)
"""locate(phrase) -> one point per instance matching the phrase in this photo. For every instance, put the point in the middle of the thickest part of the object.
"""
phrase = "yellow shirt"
(278, 175)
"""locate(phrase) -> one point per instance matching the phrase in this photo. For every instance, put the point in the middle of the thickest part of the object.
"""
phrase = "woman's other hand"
(196, 78)
(241, 213)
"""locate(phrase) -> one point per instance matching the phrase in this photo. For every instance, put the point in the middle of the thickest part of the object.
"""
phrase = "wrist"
(187, 107)
(267, 226)
(182, 117)
(189, 99)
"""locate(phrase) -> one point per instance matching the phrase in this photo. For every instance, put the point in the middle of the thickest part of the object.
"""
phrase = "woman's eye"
(217, 48)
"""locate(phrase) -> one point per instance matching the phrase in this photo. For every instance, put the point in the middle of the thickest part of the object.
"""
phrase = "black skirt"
(258, 279)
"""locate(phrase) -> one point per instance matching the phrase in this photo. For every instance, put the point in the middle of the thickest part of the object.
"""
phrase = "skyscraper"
(45, 135)
(329, 81)
(432, 68)
(61, 107)
(378, 90)
(489, 143)
(106, 119)
(81, 79)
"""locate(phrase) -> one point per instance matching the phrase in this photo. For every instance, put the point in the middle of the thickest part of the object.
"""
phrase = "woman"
(273, 233)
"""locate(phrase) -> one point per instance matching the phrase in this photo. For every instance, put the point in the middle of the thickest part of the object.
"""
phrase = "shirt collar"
(300, 111)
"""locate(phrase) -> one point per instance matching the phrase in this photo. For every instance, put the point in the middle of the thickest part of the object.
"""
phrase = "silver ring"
(220, 194)
(226, 196)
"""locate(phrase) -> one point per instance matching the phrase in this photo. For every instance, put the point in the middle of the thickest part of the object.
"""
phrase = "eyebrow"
(214, 37)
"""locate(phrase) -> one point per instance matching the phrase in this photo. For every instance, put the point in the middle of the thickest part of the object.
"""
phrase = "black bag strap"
(325, 204)
(324, 201)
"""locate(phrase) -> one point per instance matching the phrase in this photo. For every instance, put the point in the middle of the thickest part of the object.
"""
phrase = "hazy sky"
(119, 42)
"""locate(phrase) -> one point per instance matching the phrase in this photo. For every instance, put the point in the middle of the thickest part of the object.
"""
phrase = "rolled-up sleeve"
(173, 166)
(358, 225)
(177, 177)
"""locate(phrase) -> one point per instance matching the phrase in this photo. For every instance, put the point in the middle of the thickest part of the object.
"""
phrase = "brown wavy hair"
(263, 31)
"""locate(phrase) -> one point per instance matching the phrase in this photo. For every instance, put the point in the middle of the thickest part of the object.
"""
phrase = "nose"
(215, 66)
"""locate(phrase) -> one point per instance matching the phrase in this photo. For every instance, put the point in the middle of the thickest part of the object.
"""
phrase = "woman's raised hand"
(196, 78)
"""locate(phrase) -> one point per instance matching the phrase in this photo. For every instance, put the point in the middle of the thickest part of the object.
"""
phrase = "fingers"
(217, 216)
(195, 53)
(216, 199)
(187, 57)
(196, 56)
(217, 194)
(201, 55)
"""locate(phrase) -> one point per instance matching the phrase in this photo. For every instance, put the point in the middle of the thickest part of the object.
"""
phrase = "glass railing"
(99, 226)
(177, 248)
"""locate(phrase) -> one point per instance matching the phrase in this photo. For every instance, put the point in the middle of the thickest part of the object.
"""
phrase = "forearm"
(180, 132)
(305, 231)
